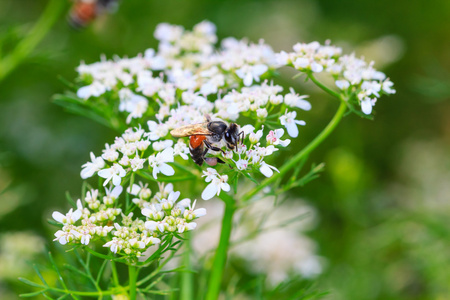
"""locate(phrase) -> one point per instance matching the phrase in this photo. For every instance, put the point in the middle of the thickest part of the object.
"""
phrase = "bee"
(84, 12)
(202, 136)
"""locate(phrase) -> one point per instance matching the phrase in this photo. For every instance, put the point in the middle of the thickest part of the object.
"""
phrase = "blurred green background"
(384, 199)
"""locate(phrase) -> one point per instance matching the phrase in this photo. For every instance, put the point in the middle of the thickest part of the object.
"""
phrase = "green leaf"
(250, 177)
(32, 283)
(75, 270)
(101, 270)
(40, 275)
(70, 200)
(75, 106)
(52, 261)
(27, 295)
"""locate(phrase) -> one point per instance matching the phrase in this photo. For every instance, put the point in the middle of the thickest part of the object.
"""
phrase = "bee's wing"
(192, 129)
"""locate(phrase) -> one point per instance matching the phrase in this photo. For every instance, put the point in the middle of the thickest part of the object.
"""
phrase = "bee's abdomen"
(196, 148)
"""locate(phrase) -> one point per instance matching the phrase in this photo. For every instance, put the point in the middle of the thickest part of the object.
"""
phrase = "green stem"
(37, 33)
(114, 274)
(323, 87)
(298, 157)
(220, 258)
(132, 281)
(187, 280)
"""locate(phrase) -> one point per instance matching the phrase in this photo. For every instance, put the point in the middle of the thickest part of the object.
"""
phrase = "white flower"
(137, 163)
(161, 145)
(64, 237)
(115, 245)
(387, 87)
(110, 153)
(70, 218)
(142, 145)
(266, 169)
(133, 136)
(136, 244)
(217, 184)
(181, 149)
(294, 100)
(159, 162)
(153, 212)
(242, 164)
(157, 131)
(371, 88)
(167, 204)
(261, 113)
(210, 174)
(136, 105)
(273, 138)
(184, 226)
(95, 89)
(249, 73)
(342, 84)
(191, 213)
(367, 104)
(116, 172)
(89, 168)
(112, 194)
(153, 225)
(288, 120)
(85, 237)
(276, 99)
(247, 129)
(168, 33)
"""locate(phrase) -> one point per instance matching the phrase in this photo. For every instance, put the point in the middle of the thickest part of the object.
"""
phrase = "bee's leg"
(241, 137)
(211, 147)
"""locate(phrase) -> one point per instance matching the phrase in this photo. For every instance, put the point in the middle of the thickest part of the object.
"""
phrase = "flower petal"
(210, 191)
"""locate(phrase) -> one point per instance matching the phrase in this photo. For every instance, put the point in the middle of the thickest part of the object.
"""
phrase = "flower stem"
(37, 33)
(305, 151)
(186, 276)
(220, 258)
(323, 87)
(132, 281)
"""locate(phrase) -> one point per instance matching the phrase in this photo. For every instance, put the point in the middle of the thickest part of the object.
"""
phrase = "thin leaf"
(27, 295)
(48, 297)
(32, 283)
(52, 261)
(70, 200)
(75, 270)
(250, 177)
(101, 270)
(40, 275)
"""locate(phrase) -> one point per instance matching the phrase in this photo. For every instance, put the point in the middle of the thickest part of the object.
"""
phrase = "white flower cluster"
(128, 154)
(99, 219)
(178, 81)
(353, 76)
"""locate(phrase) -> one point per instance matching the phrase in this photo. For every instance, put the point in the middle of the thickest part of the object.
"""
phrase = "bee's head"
(231, 135)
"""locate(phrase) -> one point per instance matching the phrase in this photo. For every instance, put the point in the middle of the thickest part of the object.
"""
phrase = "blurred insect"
(84, 12)
(204, 135)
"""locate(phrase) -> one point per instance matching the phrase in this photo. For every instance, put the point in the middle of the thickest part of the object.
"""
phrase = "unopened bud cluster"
(96, 218)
